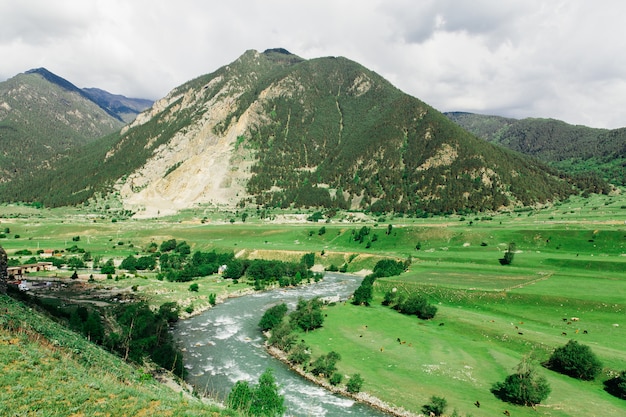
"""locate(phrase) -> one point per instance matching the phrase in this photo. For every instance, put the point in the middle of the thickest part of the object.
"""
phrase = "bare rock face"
(4, 275)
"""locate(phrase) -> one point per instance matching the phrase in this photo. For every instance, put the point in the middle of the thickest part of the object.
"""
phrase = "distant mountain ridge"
(44, 116)
(124, 108)
(272, 129)
(573, 148)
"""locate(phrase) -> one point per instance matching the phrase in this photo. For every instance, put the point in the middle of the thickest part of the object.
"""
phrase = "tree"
(363, 294)
(308, 259)
(508, 255)
(575, 360)
(326, 365)
(129, 263)
(524, 387)
(299, 354)
(240, 396)
(108, 267)
(266, 401)
(272, 317)
(436, 406)
(354, 383)
(308, 314)
(282, 336)
(168, 245)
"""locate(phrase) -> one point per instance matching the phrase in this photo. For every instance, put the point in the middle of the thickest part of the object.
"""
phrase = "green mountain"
(574, 149)
(274, 129)
(42, 117)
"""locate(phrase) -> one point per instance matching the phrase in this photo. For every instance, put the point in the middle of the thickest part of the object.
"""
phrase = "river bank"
(361, 397)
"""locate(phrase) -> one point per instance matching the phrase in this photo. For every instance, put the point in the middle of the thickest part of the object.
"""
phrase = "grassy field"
(570, 261)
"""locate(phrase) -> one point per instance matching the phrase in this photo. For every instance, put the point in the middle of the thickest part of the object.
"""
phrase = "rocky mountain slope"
(273, 129)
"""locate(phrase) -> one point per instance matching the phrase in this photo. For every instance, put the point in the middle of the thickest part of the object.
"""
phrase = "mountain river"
(224, 345)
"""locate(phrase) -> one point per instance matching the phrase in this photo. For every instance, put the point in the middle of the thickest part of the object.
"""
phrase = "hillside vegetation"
(43, 117)
(274, 130)
(575, 149)
(50, 370)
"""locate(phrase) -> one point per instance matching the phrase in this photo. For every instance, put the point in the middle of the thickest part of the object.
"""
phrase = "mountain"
(276, 130)
(573, 148)
(42, 117)
(124, 108)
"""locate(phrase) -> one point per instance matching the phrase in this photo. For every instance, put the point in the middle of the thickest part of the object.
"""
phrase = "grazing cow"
(564, 334)
(477, 404)
(382, 349)
(564, 319)
(585, 332)
(398, 340)
(577, 331)
(520, 333)
(575, 319)
(442, 324)
(506, 413)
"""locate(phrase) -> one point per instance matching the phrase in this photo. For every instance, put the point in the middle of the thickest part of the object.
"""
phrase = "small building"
(17, 272)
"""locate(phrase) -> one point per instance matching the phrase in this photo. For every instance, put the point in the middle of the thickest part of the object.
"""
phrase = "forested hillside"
(575, 149)
(42, 117)
(274, 129)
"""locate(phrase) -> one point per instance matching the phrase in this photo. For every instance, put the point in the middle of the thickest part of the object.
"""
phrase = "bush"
(308, 314)
(617, 386)
(325, 365)
(272, 317)
(524, 387)
(194, 287)
(436, 406)
(575, 360)
(354, 383)
(335, 379)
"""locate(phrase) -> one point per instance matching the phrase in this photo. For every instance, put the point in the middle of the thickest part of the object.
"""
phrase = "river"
(224, 345)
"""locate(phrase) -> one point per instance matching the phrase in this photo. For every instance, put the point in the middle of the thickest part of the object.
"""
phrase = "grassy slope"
(48, 370)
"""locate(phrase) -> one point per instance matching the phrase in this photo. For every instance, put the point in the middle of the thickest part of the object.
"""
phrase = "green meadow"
(570, 262)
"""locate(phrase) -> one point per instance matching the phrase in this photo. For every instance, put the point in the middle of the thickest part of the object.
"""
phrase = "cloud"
(519, 58)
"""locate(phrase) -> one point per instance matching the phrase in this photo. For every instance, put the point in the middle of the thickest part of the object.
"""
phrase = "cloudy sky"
(518, 58)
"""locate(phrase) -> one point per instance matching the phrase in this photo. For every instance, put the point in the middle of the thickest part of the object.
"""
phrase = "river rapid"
(224, 345)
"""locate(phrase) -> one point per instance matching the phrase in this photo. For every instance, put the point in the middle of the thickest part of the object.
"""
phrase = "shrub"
(436, 406)
(326, 365)
(272, 317)
(575, 360)
(524, 387)
(617, 386)
(308, 314)
(335, 379)
(354, 383)
(194, 287)
(299, 354)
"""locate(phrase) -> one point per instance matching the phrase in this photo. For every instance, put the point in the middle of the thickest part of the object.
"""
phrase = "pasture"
(570, 261)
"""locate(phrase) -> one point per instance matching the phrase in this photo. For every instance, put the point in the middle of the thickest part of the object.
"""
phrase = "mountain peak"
(55, 79)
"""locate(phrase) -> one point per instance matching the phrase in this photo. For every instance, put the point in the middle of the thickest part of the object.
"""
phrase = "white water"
(224, 345)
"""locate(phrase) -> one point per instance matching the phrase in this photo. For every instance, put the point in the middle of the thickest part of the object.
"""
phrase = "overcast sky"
(518, 58)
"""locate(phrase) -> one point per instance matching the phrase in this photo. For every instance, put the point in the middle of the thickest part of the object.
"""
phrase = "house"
(16, 272)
